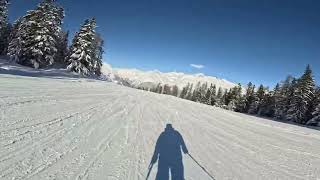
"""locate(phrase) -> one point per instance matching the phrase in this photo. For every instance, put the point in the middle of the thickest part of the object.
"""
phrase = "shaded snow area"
(7, 67)
(55, 72)
(80, 129)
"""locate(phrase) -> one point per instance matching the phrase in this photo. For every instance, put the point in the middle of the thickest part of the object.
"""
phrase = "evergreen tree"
(202, 93)
(219, 97)
(224, 98)
(241, 105)
(266, 107)
(166, 89)
(254, 106)
(249, 96)
(98, 53)
(14, 48)
(159, 88)
(276, 97)
(260, 93)
(258, 99)
(283, 97)
(175, 90)
(190, 93)
(273, 100)
(184, 91)
(4, 26)
(239, 99)
(37, 38)
(232, 105)
(85, 54)
(233, 97)
(208, 97)
(228, 96)
(213, 95)
(196, 94)
(62, 47)
(302, 97)
(315, 119)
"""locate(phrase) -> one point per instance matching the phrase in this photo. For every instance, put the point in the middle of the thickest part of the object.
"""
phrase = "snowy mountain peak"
(140, 78)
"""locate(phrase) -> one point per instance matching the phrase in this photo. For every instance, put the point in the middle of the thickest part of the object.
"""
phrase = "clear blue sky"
(239, 40)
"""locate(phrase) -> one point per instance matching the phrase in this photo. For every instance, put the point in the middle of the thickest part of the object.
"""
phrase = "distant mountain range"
(149, 79)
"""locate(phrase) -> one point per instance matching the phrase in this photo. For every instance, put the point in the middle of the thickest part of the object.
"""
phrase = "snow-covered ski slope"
(85, 129)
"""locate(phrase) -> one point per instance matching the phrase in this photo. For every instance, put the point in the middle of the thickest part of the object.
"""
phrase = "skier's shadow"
(169, 156)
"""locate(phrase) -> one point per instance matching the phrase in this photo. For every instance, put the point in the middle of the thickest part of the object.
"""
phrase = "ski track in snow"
(80, 129)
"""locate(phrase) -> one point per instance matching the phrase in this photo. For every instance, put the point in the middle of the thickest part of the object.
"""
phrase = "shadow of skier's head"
(168, 127)
(168, 153)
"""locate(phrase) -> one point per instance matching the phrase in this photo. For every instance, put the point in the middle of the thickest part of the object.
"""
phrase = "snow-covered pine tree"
(14, 47)
(261, 92)
(158, 88)
(224, 98)
(283, 97)
(276, 96)
(316, 117)
(241, 105)
(315, 120)
(232, 105)
(37, 36)
(175, 90)
(238, 98)
(313, 104)
(213, 96)
(219, 97)
(249, 96)
(254, 106)
(231, 97)
(302, 97)
(202, 93)
(4, 26)
(273, 97)
(196, 94)
(82, 50)
(97, 60)
(208, 96)
(190, 92)
(227, 97)
(266, 105)
(4, 13)
(167, 89)
(62, 48)
(85, 53)
(258, 99)
(184, 91)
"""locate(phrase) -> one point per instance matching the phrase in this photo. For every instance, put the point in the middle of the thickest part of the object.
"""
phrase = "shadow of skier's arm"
(156, 152)
(183, 145)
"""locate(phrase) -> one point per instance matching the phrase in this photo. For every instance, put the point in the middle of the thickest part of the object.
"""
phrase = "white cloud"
(197, 66)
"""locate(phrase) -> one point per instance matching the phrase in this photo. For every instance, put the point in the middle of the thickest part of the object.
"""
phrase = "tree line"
(294, 99)
(37, 40)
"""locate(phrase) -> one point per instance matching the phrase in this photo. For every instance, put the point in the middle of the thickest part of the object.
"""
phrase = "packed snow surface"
(86, 129)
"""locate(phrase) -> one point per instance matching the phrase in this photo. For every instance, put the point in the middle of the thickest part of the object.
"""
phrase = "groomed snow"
(85, 129)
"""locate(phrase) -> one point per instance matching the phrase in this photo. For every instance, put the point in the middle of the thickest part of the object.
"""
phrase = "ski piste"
(70, 128)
